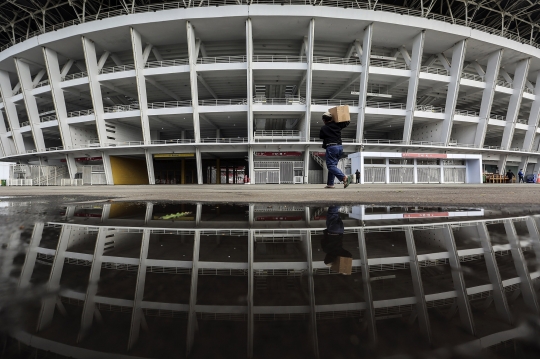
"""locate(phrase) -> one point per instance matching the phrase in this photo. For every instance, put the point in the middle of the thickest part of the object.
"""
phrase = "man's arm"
(342, 125)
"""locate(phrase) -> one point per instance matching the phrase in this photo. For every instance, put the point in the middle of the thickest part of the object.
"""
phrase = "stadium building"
(152, 92)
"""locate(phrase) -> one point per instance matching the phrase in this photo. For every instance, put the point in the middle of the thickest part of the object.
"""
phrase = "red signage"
(425, 215)
(279, 154)
(84, 159)
(279, 218)
(424, 155)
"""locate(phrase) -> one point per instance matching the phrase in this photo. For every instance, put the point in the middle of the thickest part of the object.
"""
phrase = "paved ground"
(486, 194)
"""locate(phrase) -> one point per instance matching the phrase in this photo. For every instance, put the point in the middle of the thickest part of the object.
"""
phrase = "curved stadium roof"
(21, 19)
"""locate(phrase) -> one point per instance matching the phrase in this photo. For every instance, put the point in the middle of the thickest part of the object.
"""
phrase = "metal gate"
(429, 174)
(286, 172)
(374, 174)
(401, 174)
(266, 176)
(454, 175)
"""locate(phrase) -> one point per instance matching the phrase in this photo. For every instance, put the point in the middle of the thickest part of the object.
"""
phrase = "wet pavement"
(99, 279)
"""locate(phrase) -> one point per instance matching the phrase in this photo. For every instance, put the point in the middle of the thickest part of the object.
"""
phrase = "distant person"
(331, 135)
(510, 175)
(357, 173)
(332, 241)
(521, 175)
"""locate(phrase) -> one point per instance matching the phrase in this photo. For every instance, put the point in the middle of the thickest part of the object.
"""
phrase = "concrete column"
(6, 93)
(415, 173)
(458, 57)
(192, 315)
(137, 314)
(71, 165)
(369, 315)
(136, 42)
(251, 287)
(92, 68)
(107, 167)
(492, 73)
(193, 54)
(218, 171)
(306, 165)
(499, 295)
(311, 284)
(534, 235)
(416, 64)
(31, 255)
(49, 302)
(25, 79)
(198, 160)
(150, 166)
(418, 286)
(148, 213)
(520, 78)
(526, 285)
(464, 306)
(387, 171)
(442, 172)
(6, 144)
(95, 272)
(362, 99)
(251, 165)
(309, 79)
(55, 79)
(250, 85)
(534, 115)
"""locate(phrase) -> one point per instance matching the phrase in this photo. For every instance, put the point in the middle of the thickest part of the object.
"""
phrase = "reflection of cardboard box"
(340, 113)
(342, 265)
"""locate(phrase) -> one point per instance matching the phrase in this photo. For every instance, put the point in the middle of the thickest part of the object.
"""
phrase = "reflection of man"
(332, 242)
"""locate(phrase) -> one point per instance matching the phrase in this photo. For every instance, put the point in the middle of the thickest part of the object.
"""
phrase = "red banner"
(279, 154)
(279, 218)
(84, 159)
(425, 215)
(424, 155)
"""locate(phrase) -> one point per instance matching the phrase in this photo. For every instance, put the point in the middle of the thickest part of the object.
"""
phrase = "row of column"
(462, 305)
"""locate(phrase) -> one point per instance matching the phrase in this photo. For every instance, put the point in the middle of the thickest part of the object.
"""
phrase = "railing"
(42, 83)
(277, 133)
(388, 64)
(223, 102)
(58, 148)
(336, 60)
(473, 77)
(168, 104)
(121, 108)
(279, 101)
(330, 3)
(225, 140)
(523, 121)
(334, 102)
(19, 182)
(222, 60)
(80, 113)
(71, 182)
(504, 84)
(78, 75)
(497, 117)
(176, 141)
(25, 123)
(166, 63)
(387, 105)
(429, 108)
(47, 118)
(466, 113)
(434, 70)
(121, 68)
(529, 90)
(279, 58)
(19, 90)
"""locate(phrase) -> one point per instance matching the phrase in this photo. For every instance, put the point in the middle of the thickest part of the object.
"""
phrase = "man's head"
(327, 117)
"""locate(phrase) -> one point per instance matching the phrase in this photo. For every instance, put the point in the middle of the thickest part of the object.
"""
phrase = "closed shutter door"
(286, 172)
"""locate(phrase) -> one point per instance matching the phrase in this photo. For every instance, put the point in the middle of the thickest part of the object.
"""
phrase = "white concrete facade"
(229, 81)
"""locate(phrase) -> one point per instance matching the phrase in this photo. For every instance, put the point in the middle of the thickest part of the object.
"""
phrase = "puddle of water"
(176, 280)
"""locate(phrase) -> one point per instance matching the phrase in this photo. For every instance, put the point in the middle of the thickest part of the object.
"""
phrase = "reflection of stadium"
(219, 91)
(205, 281)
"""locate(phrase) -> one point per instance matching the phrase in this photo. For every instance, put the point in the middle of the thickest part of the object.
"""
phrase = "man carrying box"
(331, 135)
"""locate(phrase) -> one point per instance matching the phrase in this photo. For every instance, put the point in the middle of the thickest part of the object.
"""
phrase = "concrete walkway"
(485, 194)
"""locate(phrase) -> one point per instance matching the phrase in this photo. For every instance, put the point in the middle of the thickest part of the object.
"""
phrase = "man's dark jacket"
(331, 132)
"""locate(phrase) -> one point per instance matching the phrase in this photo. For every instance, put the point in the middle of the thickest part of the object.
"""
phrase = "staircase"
(319, 160)
(51, 179)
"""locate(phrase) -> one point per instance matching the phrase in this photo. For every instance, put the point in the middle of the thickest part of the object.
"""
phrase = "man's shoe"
(347, 181)
(329, 187)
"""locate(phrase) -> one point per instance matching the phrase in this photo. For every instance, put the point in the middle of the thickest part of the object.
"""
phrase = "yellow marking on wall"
(128, 170)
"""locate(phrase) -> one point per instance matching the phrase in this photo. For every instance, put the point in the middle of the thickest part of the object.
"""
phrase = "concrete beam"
(362, 100)
(369, 314)
(11, 112)
(193, 52)
(414, 64)
(534, 115)
(140, 58)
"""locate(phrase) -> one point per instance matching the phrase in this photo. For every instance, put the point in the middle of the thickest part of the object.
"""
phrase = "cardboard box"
(340, 113)
(342, 265)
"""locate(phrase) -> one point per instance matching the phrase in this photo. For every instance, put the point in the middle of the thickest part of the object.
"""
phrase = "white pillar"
(71, 165)
(25, 80)
(369, 314)
(251, 287)
(309, 79)
(92, 68)
(387, 170)
(250, 85)
(520, 78)
(534, 115)
(192, 315)
(492, 73)
(55, 79)
(137, 314)
(149, 166)
(31, 255)
(416, 64)
(108, 169)
(137, 45)
(198, 160)
(362, 99)
(193, 54)
(458, 57)
(311, 286)
(6, 143)
(6, 93)
(306, 165)
(251, 165)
